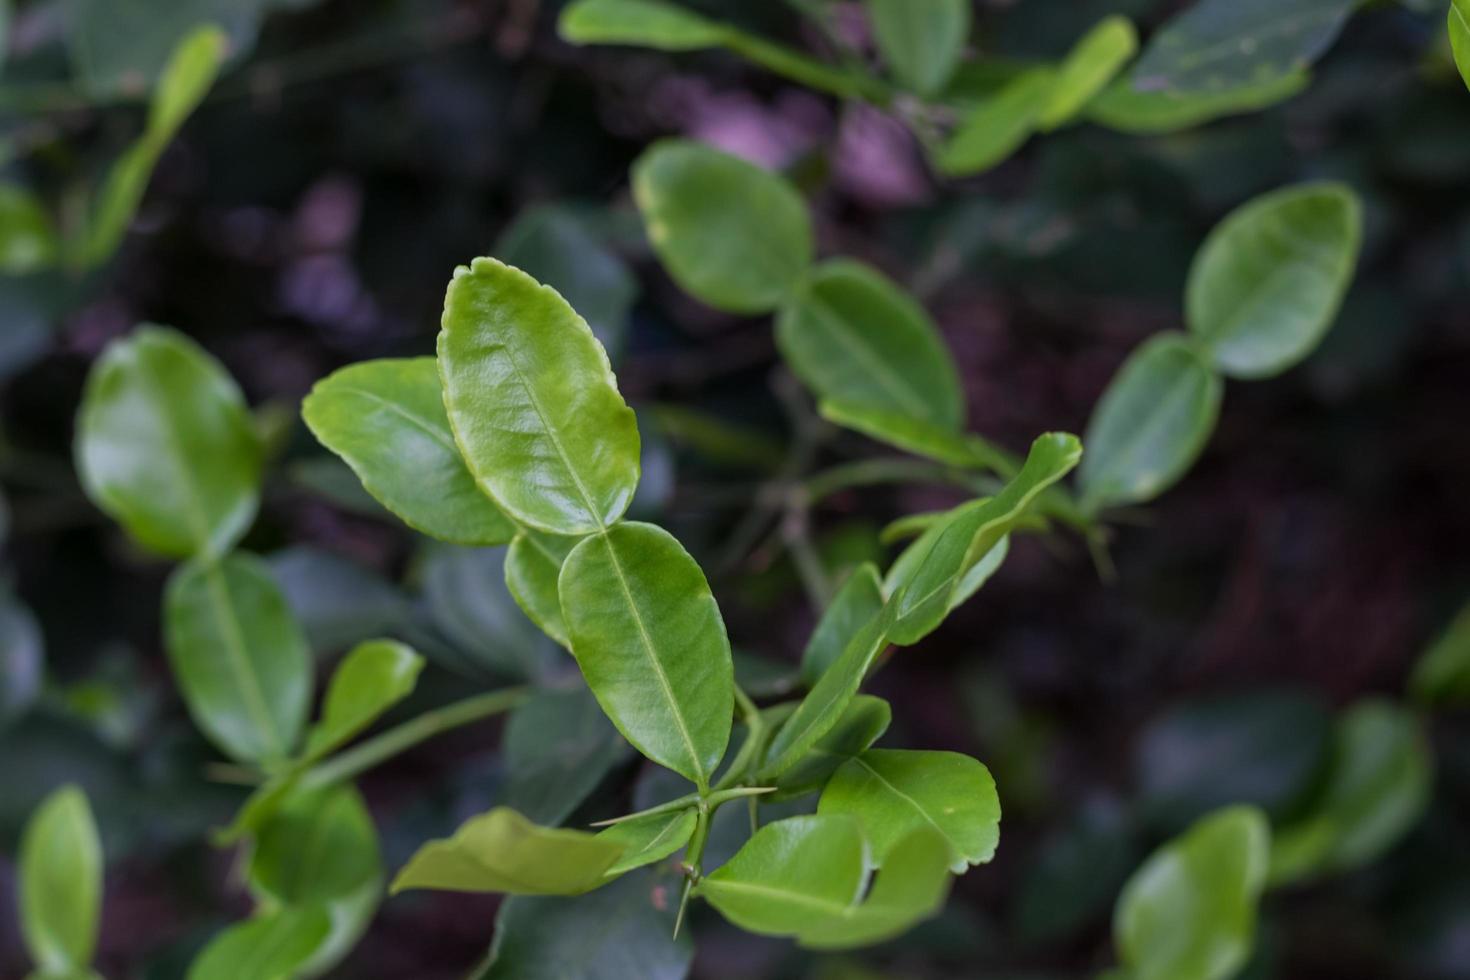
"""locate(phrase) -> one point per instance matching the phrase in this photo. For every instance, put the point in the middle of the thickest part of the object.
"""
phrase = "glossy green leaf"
(386, 419)
(532, 567)
(533, 402)
(912, 435)
(649, 839)
(470, 606)
(946, 556)
(911, 887)
(28, 240)
(374, 677)
(240, 660)
(60, 883)
(1151, 423)
(1441, 675)
(649, 638)
(1189, 912)
(1459, 28)
(921, 42)
(1376, 788)
(272, 946)
(502, 851)
(742, 260)
(856, 603)
(1122, 106)
(1088, 68)
(165, 445)
(558, 747)
(22, 656)
(996, 128)
(862, 723)
(645, 23)
(854, 336)
(318, 846)
(1269, 279)
(621, 932)
(893, 792)
(1215, 45)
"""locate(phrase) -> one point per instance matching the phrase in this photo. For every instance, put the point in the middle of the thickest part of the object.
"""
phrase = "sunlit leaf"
(371, 679)
(1088, 67)
(921, 42)
(862, 723)
(60, 883)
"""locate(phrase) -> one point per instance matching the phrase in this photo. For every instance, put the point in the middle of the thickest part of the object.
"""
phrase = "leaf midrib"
(900, 794)
(239, 659)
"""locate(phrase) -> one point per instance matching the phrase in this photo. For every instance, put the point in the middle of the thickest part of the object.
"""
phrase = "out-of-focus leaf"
(238, 656)
(1122, 106)
(502, 851)
(716, 440)
(893, 792)
(1088, 67)
(118, 49)
(1376, 789)
(921, 42)
(742, 260)
(618, 932)
(371, 679)
(533, 402)
(911, 888)
(349, 918)
(650, 640)
(1459, 28)
(532, 567)
(855, 604)
(855, 337)
(645, 23)
(165, 445)
(338, 602)
(1151, 423)
(558, 746)
(1075, 876)
(911, 434)
(386, 419)
(1442, 674)
(273, 945)
(1216, 45)
(1269, 279)
(649, 839)
(318, 846)
(469, 602)
(333, 480)
(21, 658)
(60, 870)
(1189, 912)
(997, 127)
(862, 723)
(27, 235)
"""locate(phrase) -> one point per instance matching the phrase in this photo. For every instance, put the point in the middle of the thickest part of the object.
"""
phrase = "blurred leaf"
(558, 746)
(318, 846)
(1087, 69)
(1216, 45)
(386, 419)
(27, 235)
(1151, 423)
(650, 640)
(620, 932)
(741, 260)
(854, 336)
(644, 23)
(533, 402)
(997, 127)
(532, 567)
(1459, 28)
(911, 434)
(1441, 675)
(1268, 280)
(121, 49)
(239, 658)
(165, 445)
(338, 602)
(60, 883)
(1075, 875)
(22, 658)
(649, 839)
(273, 945)
(911, 888)
(1376, 788)
(467, 599)
(502, 851)
(1124, 107)
(349, 918)
(862, 723)
(1189, 912)
(921, 42)
(371, 679)
(717, 440)
(856, 603)
(328, 477)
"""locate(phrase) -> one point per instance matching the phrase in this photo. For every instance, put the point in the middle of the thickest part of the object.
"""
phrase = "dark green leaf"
(21, 658)
(558, 746)
(469, 603)
(1122, 106)
(649, 839)
(532, 567)
(855, 604)
(165, 445)
(1442, 674)
(1088, 67)
(60, 883)
(338, 602)
(28, 240)
(533, 402)
(862, 723)
(998, 126)
(1076, 875)
(742, 260)
(272, 946)
(921, 42)
(318, 846)
(374, 677)
(649, 638)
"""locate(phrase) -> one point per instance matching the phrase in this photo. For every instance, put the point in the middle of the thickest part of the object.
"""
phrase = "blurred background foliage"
(309, 214)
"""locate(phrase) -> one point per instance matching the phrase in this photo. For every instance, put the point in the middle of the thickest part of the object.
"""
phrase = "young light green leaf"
(1459, 27)
(1377, 788)
(386, 419)
(741, 260)
(855, 604)
(906, 566)
(318, 846)
(558, 747)
(649, 638)
(374, 677)
(854, 336)
(913, 435)
(273, 945)
(238, 656)
(1151, 423)
(1123, 107)
(946, 556)
(862, 723)
(645, 23)
(1216, 45)
(502, 851)
(649, 839)
(912, 887)
(1088, 67)
(28, 241)
(165, 445)
(533, 402)
(532, 567)
(998, 126)
(60, 883)
(893, 792)
(1441, 675)
(1189, 912)
(186, 79)
(1266, 284)
(921, 42)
